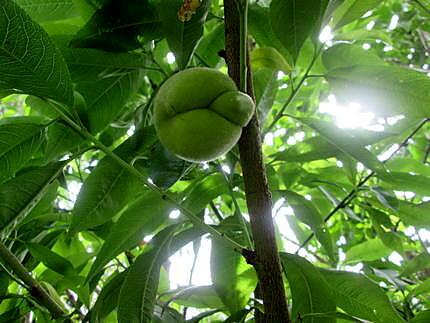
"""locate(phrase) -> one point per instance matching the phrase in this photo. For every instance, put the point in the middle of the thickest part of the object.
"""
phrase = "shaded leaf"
(48, 10)
(306, 212)
(29, 61)
(145, 214)
(51, 259)
(19, 142)
(107, 190)
(139, 290)
(420, 262)
(20, 195)
(310, 291)
(182, 37)
(293, 21)
(359, 296)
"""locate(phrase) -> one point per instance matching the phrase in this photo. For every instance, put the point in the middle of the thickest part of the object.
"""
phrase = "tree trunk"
(258, 197)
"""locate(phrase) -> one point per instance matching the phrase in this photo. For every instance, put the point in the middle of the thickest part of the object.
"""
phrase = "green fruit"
(199, 114)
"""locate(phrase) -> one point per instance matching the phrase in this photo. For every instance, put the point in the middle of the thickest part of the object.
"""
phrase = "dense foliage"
(105, 218)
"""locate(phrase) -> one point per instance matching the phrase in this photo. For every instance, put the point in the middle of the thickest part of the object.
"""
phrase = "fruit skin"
(199, 114)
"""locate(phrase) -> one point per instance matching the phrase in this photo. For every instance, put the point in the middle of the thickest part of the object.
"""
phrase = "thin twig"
(354, 191)
(294, 92)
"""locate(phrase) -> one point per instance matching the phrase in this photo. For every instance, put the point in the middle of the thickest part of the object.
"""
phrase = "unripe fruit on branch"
(199, 114)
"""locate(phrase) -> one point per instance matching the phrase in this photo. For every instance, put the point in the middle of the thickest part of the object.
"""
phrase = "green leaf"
(306, 212)
(107, 300)
(29, 61)
(20, 195)
(262, 31)
(106, 92)
(384, 90)
(143, 215)
(198, 297)
(209, 47)
(359, 296)
(422, 317)
(116, 27)
(347, 55)
(407, 182)
(49, 10)
(309, 289)
(139, 291)
(232, 278)
(51, 259)
(419, 263)
(415, 214)
(182, 37)
(106, 191)
(20, 140)
(269, 57)
(373, 249)
(422, 288)
(351, 10)
(344, 141)
(60, 140)
(98, 58)
(293, 21)
(203, 191)
(165, 169)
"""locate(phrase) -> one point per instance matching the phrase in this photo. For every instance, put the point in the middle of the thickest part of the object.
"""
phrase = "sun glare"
(351, 116)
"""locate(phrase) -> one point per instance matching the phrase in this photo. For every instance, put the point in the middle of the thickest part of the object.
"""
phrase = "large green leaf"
(407, 182)
(51, 259)
(351, 10)
(138, 293)
(263, 32)
(415, 214)
(106, 91)
(422, 317)
(49, 10)
(373, 249)
(116, 27)
(29, 61)
(347, 55)
(359, 296)
(293, 21)
(269, 57)
(204, 191)
(306, 212)
(20, 195)
(20, 140)
(182, 37)
(107, 190)
(233, 279)
(345, 141)
(107, 300)
(384, 90)
(98, 58)
(310, 291)
(142, 216)
(419, 263)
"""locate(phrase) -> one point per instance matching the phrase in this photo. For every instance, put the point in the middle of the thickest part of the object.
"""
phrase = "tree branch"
(36, 290)
(258, 196)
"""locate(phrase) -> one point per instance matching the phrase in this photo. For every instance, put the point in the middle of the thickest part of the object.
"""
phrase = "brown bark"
(257, 192)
